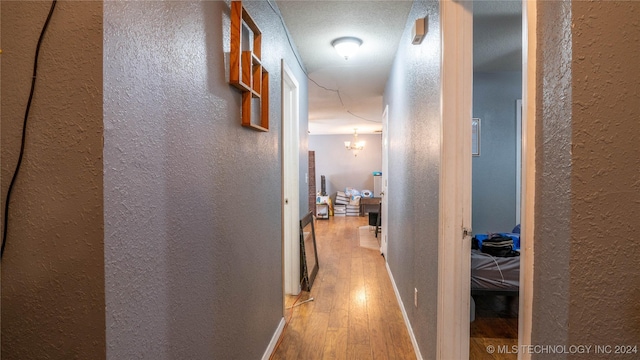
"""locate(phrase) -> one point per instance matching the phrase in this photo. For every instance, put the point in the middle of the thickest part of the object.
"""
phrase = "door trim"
(518, 160)
(529, 85)
(290, 182)
(384, 220)
(454, 248)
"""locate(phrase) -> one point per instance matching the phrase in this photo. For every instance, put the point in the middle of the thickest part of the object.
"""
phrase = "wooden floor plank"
(335, 344)
(339, 315)
(314, 337)
(359, 352)
(378, 343)
(494, 332)
(358, 317)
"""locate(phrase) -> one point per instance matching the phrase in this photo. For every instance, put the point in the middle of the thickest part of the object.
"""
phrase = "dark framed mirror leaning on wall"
(308, 252)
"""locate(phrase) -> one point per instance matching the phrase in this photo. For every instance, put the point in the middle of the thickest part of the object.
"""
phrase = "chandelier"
(354, 145)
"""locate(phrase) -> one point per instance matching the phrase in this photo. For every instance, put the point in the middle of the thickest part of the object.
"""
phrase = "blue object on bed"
(515, 237)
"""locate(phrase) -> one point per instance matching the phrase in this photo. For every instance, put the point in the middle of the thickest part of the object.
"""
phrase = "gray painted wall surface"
(53, 266)
(413, 96)
(340, 167)
(588, 185)
(553, 183)
(192, 200)
(605, 179)
(494, 171)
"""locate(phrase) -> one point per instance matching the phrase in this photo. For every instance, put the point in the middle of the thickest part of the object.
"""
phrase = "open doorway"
(450, 250)
(384, 208)
(497, 90)
(290, 182)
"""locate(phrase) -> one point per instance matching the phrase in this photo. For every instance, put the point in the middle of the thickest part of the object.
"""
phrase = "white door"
(453, 296)
(290, 182)
(385, 182)
(454, 242)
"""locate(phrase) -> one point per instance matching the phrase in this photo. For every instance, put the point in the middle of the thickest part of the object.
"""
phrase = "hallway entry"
(354, 312)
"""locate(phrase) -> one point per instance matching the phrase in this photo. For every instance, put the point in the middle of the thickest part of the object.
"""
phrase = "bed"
(494, 275)
(491, 275)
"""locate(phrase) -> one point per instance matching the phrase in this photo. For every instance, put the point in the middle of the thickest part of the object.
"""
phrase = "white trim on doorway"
(529, 85)
(290, 182)
(454, 245)
(384, 220)
(518, 159)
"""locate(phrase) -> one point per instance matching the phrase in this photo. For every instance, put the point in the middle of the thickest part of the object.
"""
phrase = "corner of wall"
(53, 297)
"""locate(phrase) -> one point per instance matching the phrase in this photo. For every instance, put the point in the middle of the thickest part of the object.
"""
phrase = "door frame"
(527, 204)
(290, 182)
(518, 159)
(453, 278)
(384, 218)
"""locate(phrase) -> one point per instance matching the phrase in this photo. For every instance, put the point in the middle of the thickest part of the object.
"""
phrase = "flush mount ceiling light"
(346, 46)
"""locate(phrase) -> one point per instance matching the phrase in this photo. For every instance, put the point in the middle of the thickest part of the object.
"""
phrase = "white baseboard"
(404, 314)
(274, 340)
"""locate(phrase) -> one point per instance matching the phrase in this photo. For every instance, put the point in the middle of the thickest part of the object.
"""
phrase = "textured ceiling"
(347, 94)
(359, 80)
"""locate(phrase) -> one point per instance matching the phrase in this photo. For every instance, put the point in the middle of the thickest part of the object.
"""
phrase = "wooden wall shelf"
(246, 72)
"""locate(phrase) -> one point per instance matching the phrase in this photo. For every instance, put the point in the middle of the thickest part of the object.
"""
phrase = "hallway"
(355, 314)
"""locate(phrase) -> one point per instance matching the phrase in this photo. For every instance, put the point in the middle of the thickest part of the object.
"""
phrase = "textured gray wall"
(413, 96)
(586, 277)
(192, 200)
(553, 170)
(340, 167)
(605, 179)
(494, 171)
(53, 268)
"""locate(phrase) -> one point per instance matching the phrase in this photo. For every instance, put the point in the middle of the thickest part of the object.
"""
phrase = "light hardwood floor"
(496, 326)
(355, 314)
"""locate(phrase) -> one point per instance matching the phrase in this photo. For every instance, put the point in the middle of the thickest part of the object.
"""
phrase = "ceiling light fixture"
(354, 145)
(346, 46)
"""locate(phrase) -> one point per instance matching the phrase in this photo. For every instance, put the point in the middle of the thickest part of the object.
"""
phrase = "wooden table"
(364, 202)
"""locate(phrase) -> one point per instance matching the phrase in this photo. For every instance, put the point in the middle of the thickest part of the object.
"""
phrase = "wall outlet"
(415, 297)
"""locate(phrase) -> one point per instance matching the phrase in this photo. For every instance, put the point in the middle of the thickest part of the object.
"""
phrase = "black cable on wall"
(24, 130)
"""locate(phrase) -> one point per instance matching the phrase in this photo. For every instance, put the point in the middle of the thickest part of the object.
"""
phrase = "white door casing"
(385, 182)
(518, 159)
(529, 85)
(290, 181)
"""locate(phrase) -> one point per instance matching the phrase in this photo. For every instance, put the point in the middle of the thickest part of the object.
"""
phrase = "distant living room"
(352, 176)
